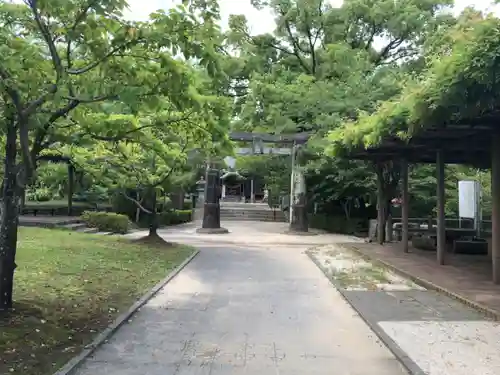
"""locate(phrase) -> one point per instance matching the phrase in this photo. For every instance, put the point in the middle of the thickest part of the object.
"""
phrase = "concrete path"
(251, 303)
(433, 333)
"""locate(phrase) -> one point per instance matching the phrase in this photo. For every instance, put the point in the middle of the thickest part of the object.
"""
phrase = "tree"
(456, 84)
(60, 60)
(323, 65)
(148, 164)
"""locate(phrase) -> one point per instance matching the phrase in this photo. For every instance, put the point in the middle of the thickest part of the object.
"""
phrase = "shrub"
(337, 224)
(41, 194)
(188, 204)
(175, 217)
(124, 206)
(106, 221)
(93, 195)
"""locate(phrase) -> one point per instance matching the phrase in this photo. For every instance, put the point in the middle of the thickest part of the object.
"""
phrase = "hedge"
(338, 224)
(106, 221)
(175, 217)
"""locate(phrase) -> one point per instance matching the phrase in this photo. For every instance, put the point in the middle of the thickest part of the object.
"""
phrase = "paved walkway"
(251, 303)
(433, 334)
(465, 275)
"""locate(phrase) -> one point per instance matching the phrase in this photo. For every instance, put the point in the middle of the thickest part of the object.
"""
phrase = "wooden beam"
(405, 204)
(441, 223)
(495, 215)
(298, 138)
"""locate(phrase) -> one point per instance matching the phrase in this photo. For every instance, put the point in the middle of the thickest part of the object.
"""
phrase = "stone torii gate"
(298, 203)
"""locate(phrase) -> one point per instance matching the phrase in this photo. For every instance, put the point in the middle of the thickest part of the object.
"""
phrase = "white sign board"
(468, 199)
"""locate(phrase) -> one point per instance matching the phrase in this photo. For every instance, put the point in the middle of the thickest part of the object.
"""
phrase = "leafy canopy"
(457, 86)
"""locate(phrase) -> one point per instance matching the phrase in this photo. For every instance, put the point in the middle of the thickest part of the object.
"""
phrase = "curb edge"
(102, 337)
(490, 313)
(400, 354)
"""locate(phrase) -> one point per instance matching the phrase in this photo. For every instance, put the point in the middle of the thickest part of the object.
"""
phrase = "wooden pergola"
(71, 175)
(474, 142)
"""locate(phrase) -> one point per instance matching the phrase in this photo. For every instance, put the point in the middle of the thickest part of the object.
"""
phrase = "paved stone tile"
(449, 348)
(246, 310)
(409, 305)
(438, 334)
(466, 275)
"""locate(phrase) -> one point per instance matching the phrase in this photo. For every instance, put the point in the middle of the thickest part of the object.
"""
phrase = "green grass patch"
(68, 287)
(361, 277)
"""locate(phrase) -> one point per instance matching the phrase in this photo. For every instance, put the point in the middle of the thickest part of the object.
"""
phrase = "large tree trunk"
(153, 216)
(388, 175)
(9, 220)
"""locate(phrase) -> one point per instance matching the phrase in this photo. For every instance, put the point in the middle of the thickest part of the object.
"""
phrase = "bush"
(92, 195)
(175, 217)
(106, 221)
(124, 206)
(337, 224)
(188, 204)
(41, 194)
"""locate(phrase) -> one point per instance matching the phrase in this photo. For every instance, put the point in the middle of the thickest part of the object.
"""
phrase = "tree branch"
(296, 47)
(12, 92)
(141, 207)
(165, 178)
(311, 47)
(42, 132)
(96, 63)
(123, 136)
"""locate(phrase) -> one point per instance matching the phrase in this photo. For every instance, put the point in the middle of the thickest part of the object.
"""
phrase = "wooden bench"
(473, 246)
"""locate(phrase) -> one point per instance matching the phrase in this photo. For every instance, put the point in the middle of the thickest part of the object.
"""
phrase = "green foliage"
(273, 170)
(338, 224)
(93, 195)
(335, 180)
(458, 84)
(106, 221)
(39, 194)
(175, 217)
(320, 68)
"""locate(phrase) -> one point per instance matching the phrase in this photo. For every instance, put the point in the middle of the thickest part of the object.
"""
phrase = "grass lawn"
(68, 287)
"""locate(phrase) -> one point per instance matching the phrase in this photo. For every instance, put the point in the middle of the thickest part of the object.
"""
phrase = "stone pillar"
(211, 206)
(252, 190)
(495, 215)
(405, 205)
(299, 221)
(441, 225)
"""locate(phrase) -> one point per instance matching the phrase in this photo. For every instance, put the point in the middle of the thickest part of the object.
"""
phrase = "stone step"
(267, 219)
(252, 215)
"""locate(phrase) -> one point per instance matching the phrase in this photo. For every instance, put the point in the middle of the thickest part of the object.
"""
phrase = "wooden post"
(495, 215)
(71, 182)
(405, 207)
(380, 206)
(441, 226)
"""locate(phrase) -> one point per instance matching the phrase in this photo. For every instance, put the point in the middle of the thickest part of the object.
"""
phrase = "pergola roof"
(461, 144)
(453, 106)
(298, 138)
